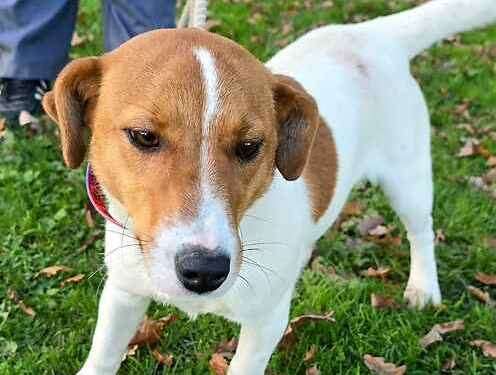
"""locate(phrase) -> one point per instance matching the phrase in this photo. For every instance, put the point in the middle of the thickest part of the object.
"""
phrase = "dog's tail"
(419, 28)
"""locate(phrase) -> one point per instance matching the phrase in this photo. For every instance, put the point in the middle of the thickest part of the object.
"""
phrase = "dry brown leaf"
(289, 338)
(53, 270)
(218, 364)
(379, 231)
(312, 371)
(380, 273)
(468, 149)
(382, 302)
(89, 216)
(438, 330)
(456, 325)
(463, 108)
(431, 337)
(72, 280)
(490, 177)
(77, 40)
(12, 295)
(131, 352)
(378, 366)
(440, 236)
(488, 348)
(449, 365)
(167, 360)
(486, 279)
(368, 224)
(310, 354)
(327, 4)
(212, 24)
(150, 330)
(491, 162)
(481, 295)
(491, 242)
(227, 348)
(353, 208)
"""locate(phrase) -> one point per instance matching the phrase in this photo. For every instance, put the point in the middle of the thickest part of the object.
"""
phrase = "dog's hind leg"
(409, 188)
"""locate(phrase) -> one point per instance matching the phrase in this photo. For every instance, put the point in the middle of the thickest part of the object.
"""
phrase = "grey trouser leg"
(127, 18)
(35, 36)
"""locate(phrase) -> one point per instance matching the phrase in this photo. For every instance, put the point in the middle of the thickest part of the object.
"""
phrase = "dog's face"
(187, 129)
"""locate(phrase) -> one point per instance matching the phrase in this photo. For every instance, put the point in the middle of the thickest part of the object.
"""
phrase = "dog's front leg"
(119, 315)
(258, 339)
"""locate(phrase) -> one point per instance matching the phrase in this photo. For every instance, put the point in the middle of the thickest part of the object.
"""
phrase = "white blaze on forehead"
(211, 84)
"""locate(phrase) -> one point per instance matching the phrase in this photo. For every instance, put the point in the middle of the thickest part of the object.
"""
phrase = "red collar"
(97, 198)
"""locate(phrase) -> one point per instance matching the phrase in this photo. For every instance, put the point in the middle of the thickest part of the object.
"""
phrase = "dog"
(218, 173)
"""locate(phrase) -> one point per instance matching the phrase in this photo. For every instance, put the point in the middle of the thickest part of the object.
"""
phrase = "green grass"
(42, 223)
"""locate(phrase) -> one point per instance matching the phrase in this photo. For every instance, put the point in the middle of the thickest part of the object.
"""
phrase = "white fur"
(359, 76)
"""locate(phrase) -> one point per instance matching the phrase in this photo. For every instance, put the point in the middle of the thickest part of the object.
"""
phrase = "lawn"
(43, 222)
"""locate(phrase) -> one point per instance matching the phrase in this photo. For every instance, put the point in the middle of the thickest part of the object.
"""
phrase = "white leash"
(194, 14)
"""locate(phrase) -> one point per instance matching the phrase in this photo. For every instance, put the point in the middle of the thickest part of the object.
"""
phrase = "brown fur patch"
(321, 171)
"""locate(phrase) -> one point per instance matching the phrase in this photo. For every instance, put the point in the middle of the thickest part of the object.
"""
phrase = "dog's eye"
(246, 151)
(144, 139)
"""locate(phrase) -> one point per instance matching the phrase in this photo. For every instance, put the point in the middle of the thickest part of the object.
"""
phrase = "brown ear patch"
(321, 171)
(297, 117)
(70, 103)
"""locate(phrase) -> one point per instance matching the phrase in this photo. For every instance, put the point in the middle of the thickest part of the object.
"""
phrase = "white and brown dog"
(223, 172)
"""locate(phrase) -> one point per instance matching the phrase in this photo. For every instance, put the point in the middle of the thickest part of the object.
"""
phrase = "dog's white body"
(359, 76)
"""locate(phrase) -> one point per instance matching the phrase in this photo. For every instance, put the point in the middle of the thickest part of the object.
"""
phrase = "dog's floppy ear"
(70, 103)
(297, 120)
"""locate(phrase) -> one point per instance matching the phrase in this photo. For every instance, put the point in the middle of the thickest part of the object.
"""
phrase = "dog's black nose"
(202, 270)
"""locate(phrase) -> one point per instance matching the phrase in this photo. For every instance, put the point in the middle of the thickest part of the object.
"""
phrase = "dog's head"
(187, 129)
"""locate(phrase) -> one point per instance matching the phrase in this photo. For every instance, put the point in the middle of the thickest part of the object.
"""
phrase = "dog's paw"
(418, 297)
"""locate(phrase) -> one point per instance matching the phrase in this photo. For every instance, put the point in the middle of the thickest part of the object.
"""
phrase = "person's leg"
(124, 18)
(35, 37)
(34, 42)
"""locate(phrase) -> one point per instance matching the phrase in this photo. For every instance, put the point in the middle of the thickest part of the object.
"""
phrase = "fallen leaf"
(167, 360)
(218, 364)
(491, 162)
(491, 242)
(382, 302)
(150, 330)
(312, 371)
(440, 236)
(431, 337)
(468, 149)
(450, 364)
(353, 208)
(327, 4)
(378, 366)
(77, 40)
(486, 279)
(227, 348)
(212, 24)
(310, 354)
(490, 177)
(53, 271)
(369, 223)
(463, 108)
(438, 330)
(72, 280)
(481, 295)
(90, 241)
(89, 215)
(130, 352)
(456, 325)
(289, 337)
(488, 348)
(380, 273)
(12, 295)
